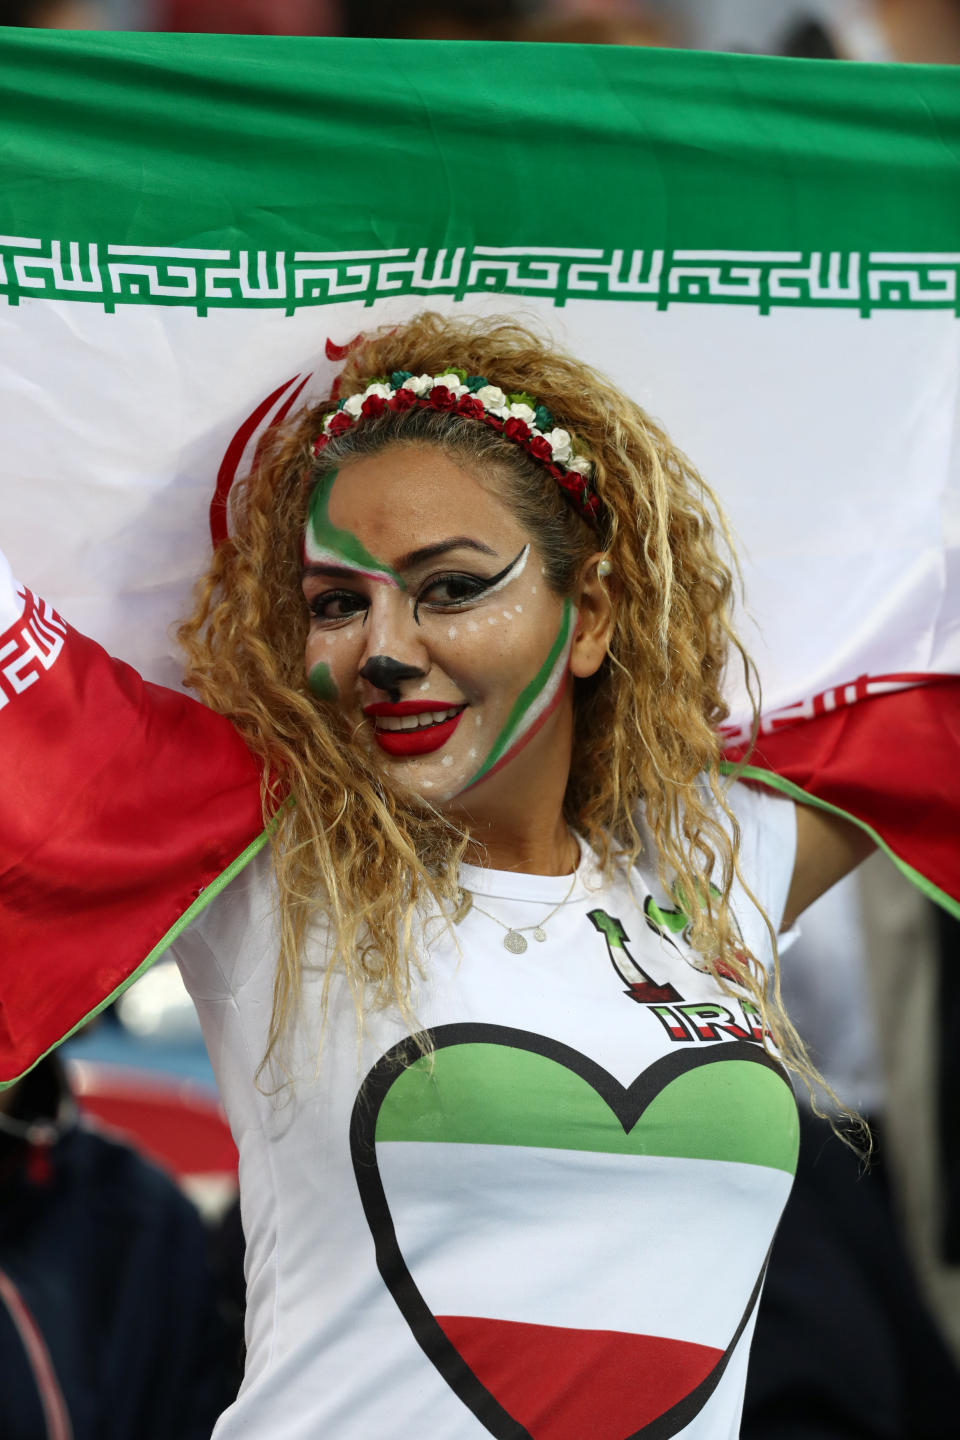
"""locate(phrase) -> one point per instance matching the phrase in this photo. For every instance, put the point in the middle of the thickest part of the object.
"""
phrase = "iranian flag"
(764, 253)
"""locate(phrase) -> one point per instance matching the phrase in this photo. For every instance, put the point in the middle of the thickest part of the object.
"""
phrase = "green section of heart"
(488, 1094)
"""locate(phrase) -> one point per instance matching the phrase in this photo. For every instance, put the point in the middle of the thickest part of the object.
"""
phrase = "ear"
(595, 599)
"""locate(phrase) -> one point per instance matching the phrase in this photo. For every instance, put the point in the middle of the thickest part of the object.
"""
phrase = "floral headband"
(517, 416)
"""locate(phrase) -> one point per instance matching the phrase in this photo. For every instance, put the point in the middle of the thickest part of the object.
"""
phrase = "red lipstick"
(419, 741)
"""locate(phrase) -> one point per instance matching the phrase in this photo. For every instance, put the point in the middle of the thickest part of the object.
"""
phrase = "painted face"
(431, 621)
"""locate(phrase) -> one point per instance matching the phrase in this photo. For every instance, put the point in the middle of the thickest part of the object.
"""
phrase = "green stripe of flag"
(294, 143)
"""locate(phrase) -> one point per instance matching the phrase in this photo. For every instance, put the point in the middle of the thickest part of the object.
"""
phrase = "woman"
(491, 1029)
(517, 1150)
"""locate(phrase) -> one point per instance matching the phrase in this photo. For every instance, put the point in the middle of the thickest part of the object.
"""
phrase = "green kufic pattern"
(66, 268)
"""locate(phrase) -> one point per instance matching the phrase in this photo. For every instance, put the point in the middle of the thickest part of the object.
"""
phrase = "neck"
(528, 853)
(515, 818)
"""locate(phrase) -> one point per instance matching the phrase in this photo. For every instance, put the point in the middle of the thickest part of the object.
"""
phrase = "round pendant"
(514, 943)
(539, 934)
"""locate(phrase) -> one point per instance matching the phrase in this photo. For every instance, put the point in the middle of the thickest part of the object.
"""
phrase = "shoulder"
(766, 854)
(763, 830)
(767, 850)
(233, 932)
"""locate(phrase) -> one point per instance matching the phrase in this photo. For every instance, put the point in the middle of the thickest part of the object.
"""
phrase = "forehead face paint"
(326, 544)
(534, 704)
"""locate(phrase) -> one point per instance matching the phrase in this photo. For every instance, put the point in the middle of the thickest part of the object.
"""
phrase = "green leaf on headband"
(454, 370)
(520, 397)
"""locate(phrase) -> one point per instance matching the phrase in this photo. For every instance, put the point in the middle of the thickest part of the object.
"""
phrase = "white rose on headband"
(419, 384)
(491, 397)
(453, 383)
(384, 391)
(580, 464)
(560, 443)
(522, 412)
(352, 405)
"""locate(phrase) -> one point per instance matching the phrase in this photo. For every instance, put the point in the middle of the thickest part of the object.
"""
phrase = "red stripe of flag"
(124, 801)
(891, 761)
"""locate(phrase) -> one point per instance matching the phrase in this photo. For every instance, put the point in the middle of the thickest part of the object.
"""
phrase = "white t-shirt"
(554, 1227)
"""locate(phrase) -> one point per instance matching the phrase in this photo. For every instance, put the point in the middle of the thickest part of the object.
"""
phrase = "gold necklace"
(513, 940)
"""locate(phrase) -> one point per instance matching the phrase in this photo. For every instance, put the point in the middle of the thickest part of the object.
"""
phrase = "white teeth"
(416, 722)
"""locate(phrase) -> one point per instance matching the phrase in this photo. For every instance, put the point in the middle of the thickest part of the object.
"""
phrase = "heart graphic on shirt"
(502, 1171)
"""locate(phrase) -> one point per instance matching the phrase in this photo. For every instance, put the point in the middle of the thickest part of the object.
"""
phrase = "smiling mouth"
(404, 732)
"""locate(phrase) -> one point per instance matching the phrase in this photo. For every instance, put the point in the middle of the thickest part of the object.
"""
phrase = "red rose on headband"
(402, 399)
(373, 405)
(469, 405)
(541, 448)
(516, 429)
(339, 422)
(442, 399)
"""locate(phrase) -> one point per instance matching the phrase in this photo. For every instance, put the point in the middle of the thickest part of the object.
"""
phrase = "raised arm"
(828, 847)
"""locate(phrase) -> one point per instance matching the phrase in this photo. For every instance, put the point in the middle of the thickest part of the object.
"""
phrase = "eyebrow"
(411, 559)
(430, 552)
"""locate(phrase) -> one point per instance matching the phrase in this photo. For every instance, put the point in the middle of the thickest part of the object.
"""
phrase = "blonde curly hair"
(364, 856)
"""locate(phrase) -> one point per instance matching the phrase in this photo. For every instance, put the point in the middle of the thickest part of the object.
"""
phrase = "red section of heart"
(563, 1384)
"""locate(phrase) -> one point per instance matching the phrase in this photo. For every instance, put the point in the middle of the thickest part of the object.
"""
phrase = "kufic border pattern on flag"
(200, 278)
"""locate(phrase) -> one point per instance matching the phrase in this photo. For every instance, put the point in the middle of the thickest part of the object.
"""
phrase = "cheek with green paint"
(509, 661)
(321, 682)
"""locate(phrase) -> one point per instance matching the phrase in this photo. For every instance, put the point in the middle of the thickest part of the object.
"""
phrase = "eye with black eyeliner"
(472, 587)
(460, 589)
(323, 607)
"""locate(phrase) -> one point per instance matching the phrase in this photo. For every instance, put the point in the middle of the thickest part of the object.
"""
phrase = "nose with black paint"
(387, 674)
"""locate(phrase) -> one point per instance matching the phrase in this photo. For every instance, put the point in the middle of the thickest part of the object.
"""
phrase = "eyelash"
(317, 603)
(475, 584)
